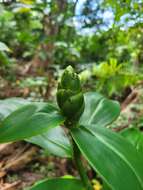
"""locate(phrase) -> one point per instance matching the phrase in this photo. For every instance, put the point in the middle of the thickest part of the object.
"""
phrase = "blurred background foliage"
(102, 39)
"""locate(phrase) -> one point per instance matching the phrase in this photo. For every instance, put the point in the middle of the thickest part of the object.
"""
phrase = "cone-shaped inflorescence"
(69, 95)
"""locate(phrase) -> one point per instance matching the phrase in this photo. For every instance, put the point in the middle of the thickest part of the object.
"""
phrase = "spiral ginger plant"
(86, 117)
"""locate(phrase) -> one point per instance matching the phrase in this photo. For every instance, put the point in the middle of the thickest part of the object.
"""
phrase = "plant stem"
(80, 167)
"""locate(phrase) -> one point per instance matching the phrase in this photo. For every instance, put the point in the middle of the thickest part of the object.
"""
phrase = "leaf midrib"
(117, 153)
(94, 113)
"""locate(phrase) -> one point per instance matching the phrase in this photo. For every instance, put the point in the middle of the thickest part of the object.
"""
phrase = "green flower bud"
(69, 95)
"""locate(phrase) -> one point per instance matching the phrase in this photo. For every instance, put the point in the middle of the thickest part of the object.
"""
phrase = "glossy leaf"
(29, 120)
(99, 110)
(59, 184)
(112, 156)
(9, 105)
(54, 141)
(91, 102)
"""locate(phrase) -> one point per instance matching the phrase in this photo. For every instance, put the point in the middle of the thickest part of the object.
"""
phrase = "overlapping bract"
(69, 95)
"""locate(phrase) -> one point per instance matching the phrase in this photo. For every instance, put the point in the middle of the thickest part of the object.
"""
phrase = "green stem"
(80, 167)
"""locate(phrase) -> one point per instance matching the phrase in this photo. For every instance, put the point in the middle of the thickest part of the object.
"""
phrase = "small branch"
(129, 99)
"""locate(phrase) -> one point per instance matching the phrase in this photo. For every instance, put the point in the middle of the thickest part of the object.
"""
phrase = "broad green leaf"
(99, 110)
(54, 141)
(59, 184)
(112, 156)
(29, 120)
(91, 102)
(135, 137)
(9, 105)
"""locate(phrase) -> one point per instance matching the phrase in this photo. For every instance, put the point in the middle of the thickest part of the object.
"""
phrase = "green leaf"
(29, 120)
(91, 102)
(54, 141)
(9, 105)
(105, 186)
(112, 156)
(135, 137)
(59, 184)
(99, 110)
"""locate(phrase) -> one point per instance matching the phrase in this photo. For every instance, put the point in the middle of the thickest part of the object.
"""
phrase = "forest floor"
(22, 164)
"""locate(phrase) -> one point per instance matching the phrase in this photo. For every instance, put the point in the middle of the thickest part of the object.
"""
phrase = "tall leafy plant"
(85, 116)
